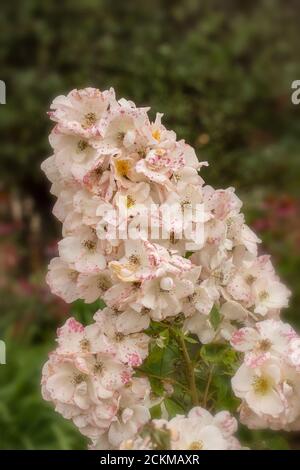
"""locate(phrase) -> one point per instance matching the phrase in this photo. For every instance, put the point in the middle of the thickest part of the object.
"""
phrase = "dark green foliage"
(215, 67)
(27, 421)
(221, 71)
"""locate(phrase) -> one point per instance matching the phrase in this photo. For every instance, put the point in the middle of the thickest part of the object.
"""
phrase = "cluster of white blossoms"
(198, 431)
(110, 167)
(89, 378)
(268, 381)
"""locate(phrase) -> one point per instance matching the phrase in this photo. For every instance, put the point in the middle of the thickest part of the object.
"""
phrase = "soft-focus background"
(220, 70)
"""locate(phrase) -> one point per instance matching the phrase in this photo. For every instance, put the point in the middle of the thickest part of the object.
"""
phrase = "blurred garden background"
(220, 71)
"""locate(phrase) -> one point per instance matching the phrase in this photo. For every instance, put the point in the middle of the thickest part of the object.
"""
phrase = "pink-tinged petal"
(244, 339)
(212, 438)
(81, 398)
(256, 359)
(60, 387)
(242, 380)
(226, 422)
(269, 404)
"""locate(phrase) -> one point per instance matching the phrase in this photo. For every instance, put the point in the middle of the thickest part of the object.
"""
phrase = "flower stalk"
(189, 371)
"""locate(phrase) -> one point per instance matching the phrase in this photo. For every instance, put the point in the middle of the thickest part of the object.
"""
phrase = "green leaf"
(172, 407)
(155, 411)
(213, 353)
(188, 339)
(163, 339)
(153, 361)
(215, 317)
(157, 386)
(84, 312)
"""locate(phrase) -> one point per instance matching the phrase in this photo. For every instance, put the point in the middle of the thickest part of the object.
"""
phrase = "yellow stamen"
(130, 202)
(134, 260)
(122, 167)
(119, 336)
(185, 203)
(120, 137)
(250, 279)
(89, 120)
(73, 275)
(98, 367)
(264, 345)
(103, 283)
(156, 134)
(196, 445)
(78, 378)
(85, 344)
(261, 385)
(82, 145)
(89, 245)
(263, 295)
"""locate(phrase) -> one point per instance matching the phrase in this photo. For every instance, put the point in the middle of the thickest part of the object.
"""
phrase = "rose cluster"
(198, 431)
(268, 381)
(110, 166)
(90, 379)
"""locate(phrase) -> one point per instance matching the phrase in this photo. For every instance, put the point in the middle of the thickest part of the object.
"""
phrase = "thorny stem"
(190, 373)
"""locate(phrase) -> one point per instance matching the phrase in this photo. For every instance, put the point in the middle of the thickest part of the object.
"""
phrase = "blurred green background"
(220, 70)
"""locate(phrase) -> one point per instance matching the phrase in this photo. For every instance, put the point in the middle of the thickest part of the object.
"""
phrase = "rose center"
(89, 245)
(82, 145)
(261, 385)
(196, 445)
(89, 120)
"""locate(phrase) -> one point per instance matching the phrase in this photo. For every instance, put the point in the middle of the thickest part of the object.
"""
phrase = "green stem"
(190, 373)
